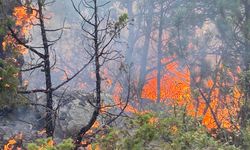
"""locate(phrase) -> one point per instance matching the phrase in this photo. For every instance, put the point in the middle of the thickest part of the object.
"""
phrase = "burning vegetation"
(179, 81)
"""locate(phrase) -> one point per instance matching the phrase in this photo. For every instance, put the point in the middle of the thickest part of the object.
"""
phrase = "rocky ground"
(73, 112)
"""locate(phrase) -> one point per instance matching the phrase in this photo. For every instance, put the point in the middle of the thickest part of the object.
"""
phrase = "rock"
(74, 112)
(8, 132)
(38, 116)
(73, 116)
(82, 103)
(2, 133)
(63, 116)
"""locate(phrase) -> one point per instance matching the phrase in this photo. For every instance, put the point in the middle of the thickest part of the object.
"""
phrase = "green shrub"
(47, 144)
(152, 131)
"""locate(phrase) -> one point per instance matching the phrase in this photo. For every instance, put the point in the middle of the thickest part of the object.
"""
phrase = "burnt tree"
(42, 53)
(148, 12)
(101, 32)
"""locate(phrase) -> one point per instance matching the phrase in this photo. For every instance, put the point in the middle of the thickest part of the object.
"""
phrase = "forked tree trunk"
(98, 80)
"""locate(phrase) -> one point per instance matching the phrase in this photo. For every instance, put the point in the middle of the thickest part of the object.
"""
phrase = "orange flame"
(174, 84)
(119, 102)
(175, 90)
(10, 144)
(24, 20)
(13, 141)
(25, 17)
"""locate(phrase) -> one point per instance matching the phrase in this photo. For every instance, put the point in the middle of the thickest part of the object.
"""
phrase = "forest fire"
(23, 23)
(155, 74)
(10, 144)
(174, 84)
(14, 143)
(121, 103)
(24, 19)
(176, 90)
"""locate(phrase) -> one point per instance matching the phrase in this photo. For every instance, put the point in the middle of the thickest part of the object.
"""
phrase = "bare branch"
(14, 35)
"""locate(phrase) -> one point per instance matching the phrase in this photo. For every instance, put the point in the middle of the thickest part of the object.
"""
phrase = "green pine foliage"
(9, 84)
(159, 132)
(152, 131)
(47, 144)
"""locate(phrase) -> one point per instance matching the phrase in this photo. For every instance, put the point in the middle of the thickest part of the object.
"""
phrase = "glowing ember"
(42, 132)
(50, 143)
(10, 144)
(13, 142)
(89, 147)
(90, 132)
(174, 129)
(153, 120)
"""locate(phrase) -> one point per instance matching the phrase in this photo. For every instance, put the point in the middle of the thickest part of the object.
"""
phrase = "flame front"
(175, 90)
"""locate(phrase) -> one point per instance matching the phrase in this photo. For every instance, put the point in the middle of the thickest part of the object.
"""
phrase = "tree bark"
(159, 56)
(246, 56)
(145, 50)
(131, 40)
(49, 99)
(98, 79)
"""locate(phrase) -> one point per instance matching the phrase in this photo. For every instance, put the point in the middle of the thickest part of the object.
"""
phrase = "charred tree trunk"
(1, 26)
(49, 100)
(144, 57)
(98, 79)
(245, 110)
(1, 47)
(131, 40)
(99, 52)
(159, 56)
(97, 66)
